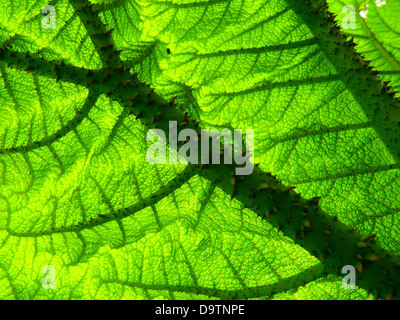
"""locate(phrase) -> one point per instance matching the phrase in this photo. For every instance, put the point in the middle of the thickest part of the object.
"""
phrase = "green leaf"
(316, 128)
(77, 193)
(376, 34)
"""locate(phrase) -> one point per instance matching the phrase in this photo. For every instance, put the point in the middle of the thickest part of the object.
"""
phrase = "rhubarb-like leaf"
(376, 32)
(78, 194)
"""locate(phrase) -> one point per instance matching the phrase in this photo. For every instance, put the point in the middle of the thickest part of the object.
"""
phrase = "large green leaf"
(77, 193)
(376, 32)
(266, 69)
